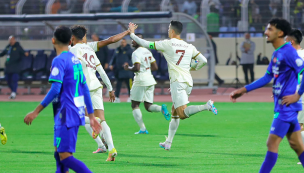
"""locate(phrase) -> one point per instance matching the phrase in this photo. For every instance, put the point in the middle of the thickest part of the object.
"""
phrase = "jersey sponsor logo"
(55, 71)
(299, 62)
(277, 88)
(75, 60)
(275, 71)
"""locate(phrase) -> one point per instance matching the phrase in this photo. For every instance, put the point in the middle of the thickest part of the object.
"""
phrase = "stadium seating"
(162, 75)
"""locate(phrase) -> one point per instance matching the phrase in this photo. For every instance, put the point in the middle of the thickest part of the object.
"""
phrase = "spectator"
(189, 7)
(217, 78)
(122, 56)
(236, 9)
(213, 20)
(95, 6)
(227, 14)
(299, 5)
(257, 18)
(102, 53)
(264, 60)
(247, 58)
(13, 4)
(14, 53)
(56, 7)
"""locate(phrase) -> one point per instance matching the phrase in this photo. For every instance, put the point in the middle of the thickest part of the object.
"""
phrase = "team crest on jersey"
(299, 62)
(274, 60)
(75, 60)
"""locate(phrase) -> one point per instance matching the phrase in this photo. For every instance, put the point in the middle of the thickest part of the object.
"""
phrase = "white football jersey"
(178, 54)
(89, 61)
(144, 77)
(301, 53)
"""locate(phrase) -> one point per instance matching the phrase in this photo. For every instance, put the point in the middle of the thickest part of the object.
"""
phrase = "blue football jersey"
(285, 67)
(68, 106)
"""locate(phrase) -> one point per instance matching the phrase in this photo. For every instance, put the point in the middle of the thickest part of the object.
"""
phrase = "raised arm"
(112, 39)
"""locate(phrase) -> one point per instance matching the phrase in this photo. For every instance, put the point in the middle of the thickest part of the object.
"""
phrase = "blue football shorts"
(65, 138)
(281, 128)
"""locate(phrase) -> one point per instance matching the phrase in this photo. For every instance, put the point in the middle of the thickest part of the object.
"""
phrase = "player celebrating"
(178, 54)
(295, 38)
(70, 93)
(143, 85)
(90, 63)
(3, 136)
(284, 67)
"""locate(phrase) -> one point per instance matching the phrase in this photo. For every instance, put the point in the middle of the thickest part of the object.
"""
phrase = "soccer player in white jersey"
(90, 63)
(295, 37)
(179, 55)
(143, 85)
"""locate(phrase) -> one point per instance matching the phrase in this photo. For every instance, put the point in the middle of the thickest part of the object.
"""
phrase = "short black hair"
(281, 24)
(177, 26)
(139, 34)
(63, 34)
(79, 31)
(297, 35)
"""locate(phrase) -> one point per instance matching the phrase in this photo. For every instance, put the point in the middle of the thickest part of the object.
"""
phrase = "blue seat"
(163, 74)
(259, 35)
(232, 29)
(27, 67)
(39, 65)
(26, 74)
(223, 29)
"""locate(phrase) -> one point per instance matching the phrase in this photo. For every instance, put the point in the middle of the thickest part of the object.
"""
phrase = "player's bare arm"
(134, 68)
(112, 39)
(142, 42)
(154, 66)
(237, 93)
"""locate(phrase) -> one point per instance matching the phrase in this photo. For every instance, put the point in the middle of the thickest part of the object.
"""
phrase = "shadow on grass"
(145, 156)
(27, 152)
(196, 135)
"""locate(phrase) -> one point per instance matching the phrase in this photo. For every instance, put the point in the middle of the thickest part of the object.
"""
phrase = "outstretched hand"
(28, 119)
(132, 27)
(112, 96)
(95, 125)
(237, 93)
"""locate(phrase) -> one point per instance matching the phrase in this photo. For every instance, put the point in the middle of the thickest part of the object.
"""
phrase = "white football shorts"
(142, 93)
(180, 93)
(96, 97)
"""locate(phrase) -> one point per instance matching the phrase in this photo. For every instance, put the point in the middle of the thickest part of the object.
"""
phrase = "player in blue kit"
(284, 69)
(69, 93)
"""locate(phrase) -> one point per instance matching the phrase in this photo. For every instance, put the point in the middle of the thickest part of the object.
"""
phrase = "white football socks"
(138, 118)
(191, 110)
(90, 131)
(172, 129)
(155, 108)
(107, 135)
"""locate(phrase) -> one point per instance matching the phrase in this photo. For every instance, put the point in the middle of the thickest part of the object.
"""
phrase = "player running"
(178, 54)
(69, 93)
(284, 68)
(143, 85)
(90, 63)
(295, 38)
(3, 136)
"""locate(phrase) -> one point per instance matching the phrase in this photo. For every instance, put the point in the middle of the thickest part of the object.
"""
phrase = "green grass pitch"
(233, 141)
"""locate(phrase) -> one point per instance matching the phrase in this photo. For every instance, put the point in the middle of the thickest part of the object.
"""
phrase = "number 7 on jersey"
(181, 57)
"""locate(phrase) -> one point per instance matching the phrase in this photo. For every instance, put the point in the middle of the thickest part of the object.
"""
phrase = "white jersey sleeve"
(162, 45)
(152, 59)
(93, 45)
(135, 58)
